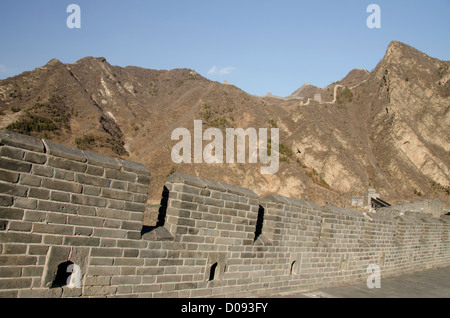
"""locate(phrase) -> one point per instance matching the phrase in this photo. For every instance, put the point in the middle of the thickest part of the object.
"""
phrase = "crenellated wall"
(62, 207)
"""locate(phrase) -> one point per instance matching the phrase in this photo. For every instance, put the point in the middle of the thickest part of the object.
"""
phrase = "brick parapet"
(60, 204)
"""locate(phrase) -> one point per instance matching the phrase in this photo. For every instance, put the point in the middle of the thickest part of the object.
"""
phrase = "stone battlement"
(63, 208)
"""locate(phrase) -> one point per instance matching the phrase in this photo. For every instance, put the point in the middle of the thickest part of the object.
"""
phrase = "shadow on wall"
(161, 213)
(259, 222)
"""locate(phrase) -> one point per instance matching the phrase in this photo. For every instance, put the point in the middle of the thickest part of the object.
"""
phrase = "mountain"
(307, 91)
(386, 129)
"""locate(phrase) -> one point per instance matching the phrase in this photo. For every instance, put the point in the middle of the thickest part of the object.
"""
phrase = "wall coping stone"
(338, 210)
(381, 216)
(131, 166)
(102, 160)
(418, 214)
(14, 139)
(64, 151)
(406, 219)
(274, 198)
(178, 177)
(430, 219)
(17, 140)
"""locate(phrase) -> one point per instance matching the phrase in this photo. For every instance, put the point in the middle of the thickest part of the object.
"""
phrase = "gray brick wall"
(433, 207)
(59, 204)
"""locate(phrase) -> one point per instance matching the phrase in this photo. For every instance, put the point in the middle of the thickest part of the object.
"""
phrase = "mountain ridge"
(384, 129)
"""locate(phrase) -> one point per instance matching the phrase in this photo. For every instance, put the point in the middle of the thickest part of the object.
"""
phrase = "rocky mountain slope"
(387, 129)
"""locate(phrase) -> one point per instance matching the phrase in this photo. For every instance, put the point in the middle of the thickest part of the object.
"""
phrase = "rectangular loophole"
(212, 271)
(259, 223)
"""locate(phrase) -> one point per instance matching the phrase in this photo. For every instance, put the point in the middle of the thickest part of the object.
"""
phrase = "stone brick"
(183, 205)
(95, 171)
(115, 204)
(131, 253)
(13, 237)
(120, 185)
(9, 176)
(132, 244)
(185, 197)
(81, 241)
(52, 240)
(138, 188)
(107, 252)
(241, 206)
(113, 233)
(129, 225)
(92, 180)
(66, 164)
(15, 283)
(52, 229)
(64, 175)
(11, 213)
(13, 189)
(30, 180)
(14, 249)
(15, 165)
(57, 207)
(117, 194)
(215, 202)
(12, 153)
(60, 196)
(88, 200)
(136, 216)
(84, 220)
(126, 280)
(39, 193)
(143, 179)
(120, 175)
(6, 200)
(35, 216)
(137, 207)
(128, 262)
(12, 271)
(133, 235)
(35, 157)
(17, 260)
(83, 231)
(10, 293)
(61, 185)
(86, 210)
(91, 190)
(37, 250)
(3, 226)
(112, 214)
(100, 291)
(186, 189)
(43, 171)
(108, 223)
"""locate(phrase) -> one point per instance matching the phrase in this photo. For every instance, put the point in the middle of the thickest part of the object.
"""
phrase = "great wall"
(62, 207)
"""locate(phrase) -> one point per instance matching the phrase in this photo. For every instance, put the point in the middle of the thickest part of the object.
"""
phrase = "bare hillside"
(387, 129)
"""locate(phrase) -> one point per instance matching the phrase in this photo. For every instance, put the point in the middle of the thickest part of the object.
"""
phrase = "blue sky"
(260, 46)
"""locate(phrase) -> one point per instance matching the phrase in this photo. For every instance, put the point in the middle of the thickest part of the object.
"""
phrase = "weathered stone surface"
(130, 166)
(13, 139)
(102, 160)
(64, 151)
